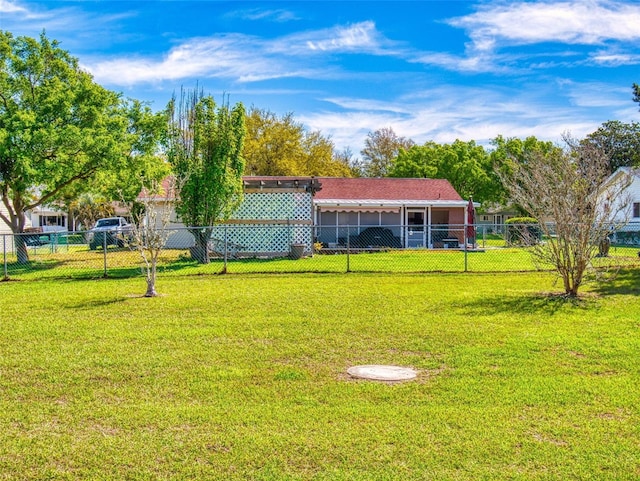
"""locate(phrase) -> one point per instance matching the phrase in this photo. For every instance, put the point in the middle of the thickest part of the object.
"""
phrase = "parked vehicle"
(110, 231)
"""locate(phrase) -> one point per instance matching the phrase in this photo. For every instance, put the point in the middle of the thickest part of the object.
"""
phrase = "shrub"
(522, 231)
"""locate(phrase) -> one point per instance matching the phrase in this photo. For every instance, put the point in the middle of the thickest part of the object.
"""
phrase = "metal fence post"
(104, 253)
(4, 254)
(466, 252)
(226, 250)
(348, 251)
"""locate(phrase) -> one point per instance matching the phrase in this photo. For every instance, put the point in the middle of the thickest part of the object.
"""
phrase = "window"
(636, 209)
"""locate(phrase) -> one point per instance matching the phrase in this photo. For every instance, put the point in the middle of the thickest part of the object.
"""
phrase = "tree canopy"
(619, 141)
(380, 150)
(465, 164)
(281, 146)
(60, 132)
(205, 144)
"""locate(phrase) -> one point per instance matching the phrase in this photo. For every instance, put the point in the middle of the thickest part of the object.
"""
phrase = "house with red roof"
(388, 212)
(358, 213)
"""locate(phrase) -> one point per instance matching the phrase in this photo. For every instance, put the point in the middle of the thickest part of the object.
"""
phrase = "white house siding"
(628, 206)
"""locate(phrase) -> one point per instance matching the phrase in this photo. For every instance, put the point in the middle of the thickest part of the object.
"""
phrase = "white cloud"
(496, 26)
(438, 115)
(589, 22)
(358, 37)
(276, 15)
(11, 7)
(235, 56)
(241, 58)
(615, 59)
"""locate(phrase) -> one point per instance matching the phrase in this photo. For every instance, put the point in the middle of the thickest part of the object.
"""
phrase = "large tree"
(279, 145)
(620, 141)
(59, 130)
(466, 165)
(512, 151)
(205, 143)
(565, 190)
(380, 149)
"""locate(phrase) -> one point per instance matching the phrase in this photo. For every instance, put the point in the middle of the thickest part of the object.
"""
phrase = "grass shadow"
(624, 282)
(544, 303)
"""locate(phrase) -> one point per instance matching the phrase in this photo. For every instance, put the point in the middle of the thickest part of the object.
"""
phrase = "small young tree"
(205, 150)
(565, 190)
(150, 228)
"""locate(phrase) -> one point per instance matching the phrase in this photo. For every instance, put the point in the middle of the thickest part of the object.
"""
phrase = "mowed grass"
(244, 377)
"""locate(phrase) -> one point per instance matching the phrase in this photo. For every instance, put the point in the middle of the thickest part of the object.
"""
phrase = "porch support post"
(429, 240)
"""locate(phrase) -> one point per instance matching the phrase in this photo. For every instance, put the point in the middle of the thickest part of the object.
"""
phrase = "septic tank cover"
(377, 372)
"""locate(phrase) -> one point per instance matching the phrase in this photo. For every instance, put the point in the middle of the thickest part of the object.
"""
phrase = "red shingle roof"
(386, 189)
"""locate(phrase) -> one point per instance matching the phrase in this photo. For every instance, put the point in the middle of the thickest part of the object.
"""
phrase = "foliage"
(61, 133)
(508, 152)
(225, 379)
(380, 149)
(521, 220)
(88, 207)
(619, 141)
(281, 146)
(522, 231)
(465, 164)
(566, 189)
(205, 145)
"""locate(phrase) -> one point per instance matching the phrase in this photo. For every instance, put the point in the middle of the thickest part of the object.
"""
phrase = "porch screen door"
(415, 228)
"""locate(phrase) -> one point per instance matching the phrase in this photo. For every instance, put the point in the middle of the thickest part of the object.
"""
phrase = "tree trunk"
(21, 249)
(151, 288)
(200, 251)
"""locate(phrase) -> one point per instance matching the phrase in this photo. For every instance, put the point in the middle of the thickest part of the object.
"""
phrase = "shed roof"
(386, 188)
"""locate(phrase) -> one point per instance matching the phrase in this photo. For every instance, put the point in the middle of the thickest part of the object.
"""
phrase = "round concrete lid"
(378, 372)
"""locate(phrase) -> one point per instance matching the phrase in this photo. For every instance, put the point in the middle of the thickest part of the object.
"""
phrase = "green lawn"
(244, 377)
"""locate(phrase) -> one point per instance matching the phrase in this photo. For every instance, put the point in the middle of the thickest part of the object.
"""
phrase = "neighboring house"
(492, 218)
(628, 207)
(49, 219)
(4, 227)
(366, 211)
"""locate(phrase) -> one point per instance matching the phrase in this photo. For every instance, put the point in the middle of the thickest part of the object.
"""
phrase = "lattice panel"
(275, 206)
(257, 239)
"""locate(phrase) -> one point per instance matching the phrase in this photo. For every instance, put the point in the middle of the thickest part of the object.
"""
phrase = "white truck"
(110, 231)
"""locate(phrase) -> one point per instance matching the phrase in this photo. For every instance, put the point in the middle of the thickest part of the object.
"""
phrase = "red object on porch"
(471, 222)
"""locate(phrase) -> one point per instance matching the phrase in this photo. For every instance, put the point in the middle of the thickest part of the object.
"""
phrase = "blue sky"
(431, 70)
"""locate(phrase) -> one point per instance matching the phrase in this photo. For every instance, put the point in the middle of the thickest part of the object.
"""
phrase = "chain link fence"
(293, 248)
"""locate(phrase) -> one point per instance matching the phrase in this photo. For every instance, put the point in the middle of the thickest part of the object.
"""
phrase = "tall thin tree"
(205, 144)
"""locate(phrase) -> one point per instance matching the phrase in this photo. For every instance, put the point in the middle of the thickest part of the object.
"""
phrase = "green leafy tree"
(59, 130)
(380, 150)
(88, 207)
(281, 146)
(510, 152)
(420, 161)
(619, 141)
(205, 143)
(636, 93)
(466, 165)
